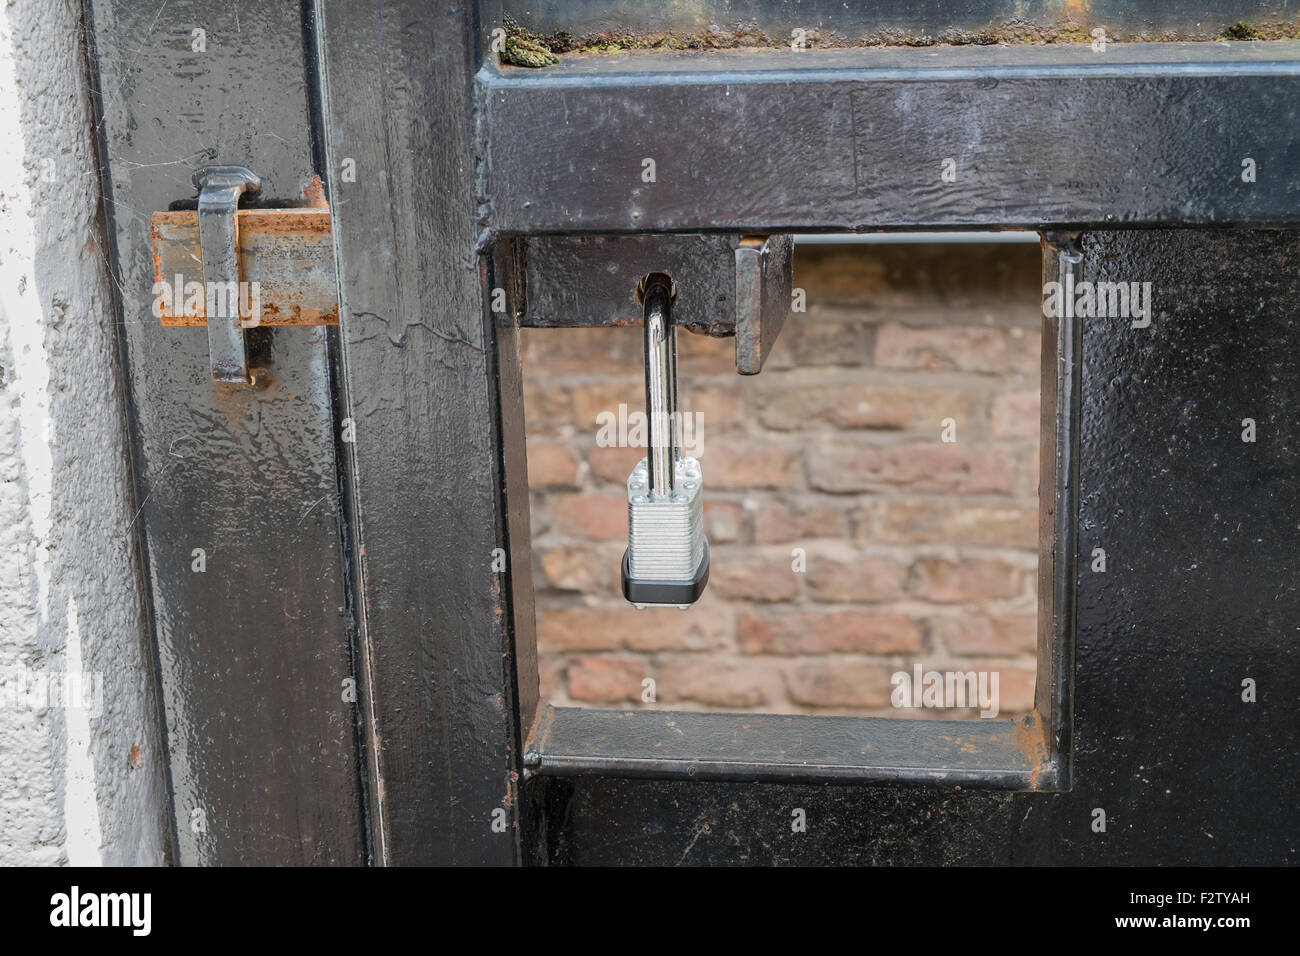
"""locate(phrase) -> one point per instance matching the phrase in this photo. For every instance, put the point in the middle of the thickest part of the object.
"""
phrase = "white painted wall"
(76, 785)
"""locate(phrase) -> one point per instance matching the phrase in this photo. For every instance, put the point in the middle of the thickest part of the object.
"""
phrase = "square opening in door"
(871, 498)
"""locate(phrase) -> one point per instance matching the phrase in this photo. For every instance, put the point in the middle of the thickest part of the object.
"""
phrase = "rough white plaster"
(79, 784)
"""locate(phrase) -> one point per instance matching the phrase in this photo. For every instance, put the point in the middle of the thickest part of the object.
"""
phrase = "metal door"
(352, 680)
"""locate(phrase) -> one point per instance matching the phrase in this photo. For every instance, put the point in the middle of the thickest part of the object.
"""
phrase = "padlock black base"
(640, 591)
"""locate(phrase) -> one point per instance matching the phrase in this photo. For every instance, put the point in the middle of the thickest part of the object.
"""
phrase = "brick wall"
(916, 550)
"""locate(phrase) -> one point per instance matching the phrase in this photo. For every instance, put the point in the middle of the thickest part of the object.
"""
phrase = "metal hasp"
(763, 286)
(727, 284)
(219, 190)
(667, 557)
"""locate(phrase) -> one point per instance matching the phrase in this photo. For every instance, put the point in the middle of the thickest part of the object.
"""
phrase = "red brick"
(839, 684)
(928, 466)
(811, 342)
(707, 625)
(968, 349)
(575, 568)
(546, 408)
(1015, 691)
(605, 680)
(594, 517)
(592, 404)
(611, 351)
(755, 579)
(723, 521)
(842, 576)
(968, 579)
(948, 521)
(705, 355)
(863, 405)
(614, 464)
(992, 634)
(816, 632)
(718, 681)
(551, 465)
(739, 465)
(714, 409)
(776, 521)
(1017, 415)
(550, 676)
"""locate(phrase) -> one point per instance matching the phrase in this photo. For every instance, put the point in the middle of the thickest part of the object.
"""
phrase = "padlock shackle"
(660, 382)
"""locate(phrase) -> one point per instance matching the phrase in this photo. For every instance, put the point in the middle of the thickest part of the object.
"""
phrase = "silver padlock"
(667, 557)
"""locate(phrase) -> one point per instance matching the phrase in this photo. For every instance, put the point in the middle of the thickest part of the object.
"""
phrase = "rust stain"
(1030, 737)
(291, 248)
(540, 732)
(314, 193)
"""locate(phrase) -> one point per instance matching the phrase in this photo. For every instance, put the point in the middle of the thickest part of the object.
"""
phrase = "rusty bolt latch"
(219, 190)
(231, 269)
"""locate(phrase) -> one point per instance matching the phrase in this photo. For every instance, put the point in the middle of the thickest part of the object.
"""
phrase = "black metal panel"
(578, 741)
(592, 280)
(1199, 527)
(434, 391)
(252, 651)
(841, 140)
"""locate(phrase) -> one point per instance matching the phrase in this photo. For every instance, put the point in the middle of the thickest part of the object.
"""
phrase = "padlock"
(667, 557)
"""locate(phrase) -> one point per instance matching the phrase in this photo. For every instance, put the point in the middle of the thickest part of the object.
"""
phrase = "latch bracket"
(251, 267)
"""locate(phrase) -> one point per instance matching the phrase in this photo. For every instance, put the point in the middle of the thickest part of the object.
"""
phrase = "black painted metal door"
(352, 678)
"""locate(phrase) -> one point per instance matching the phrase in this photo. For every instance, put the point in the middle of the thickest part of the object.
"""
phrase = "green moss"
(524, 52)
(527, 48)
(1242, 31)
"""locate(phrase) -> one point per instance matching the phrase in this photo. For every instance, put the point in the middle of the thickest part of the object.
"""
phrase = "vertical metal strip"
(428, 389)
(238, 489)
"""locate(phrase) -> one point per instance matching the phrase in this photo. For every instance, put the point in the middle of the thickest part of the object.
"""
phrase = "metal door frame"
(432, 756)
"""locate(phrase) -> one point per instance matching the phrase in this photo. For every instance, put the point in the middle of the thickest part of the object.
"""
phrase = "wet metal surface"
(236, 488)
(846, 140)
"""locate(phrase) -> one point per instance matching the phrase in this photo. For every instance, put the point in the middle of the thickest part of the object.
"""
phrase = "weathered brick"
(614, 464)
(947, 521)
(591, 516)
(1015, 690)
(841, 575)
(863, 405)
(814, 341)
(705, 355)
(550, 675)
(919, 466)
(1017, 415)
(551, 465)
(605, 679)
(575, 568)
(967, 579)
(860, 631)
(991, 634)
(546, 408)
(777, 521)
(593, 405)
(738, 465)
(839, 684)
(718, 681)
(968, 349)
(753, 578)
(612, 351)
(724, 521)
(711, 410)
(706, 626)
